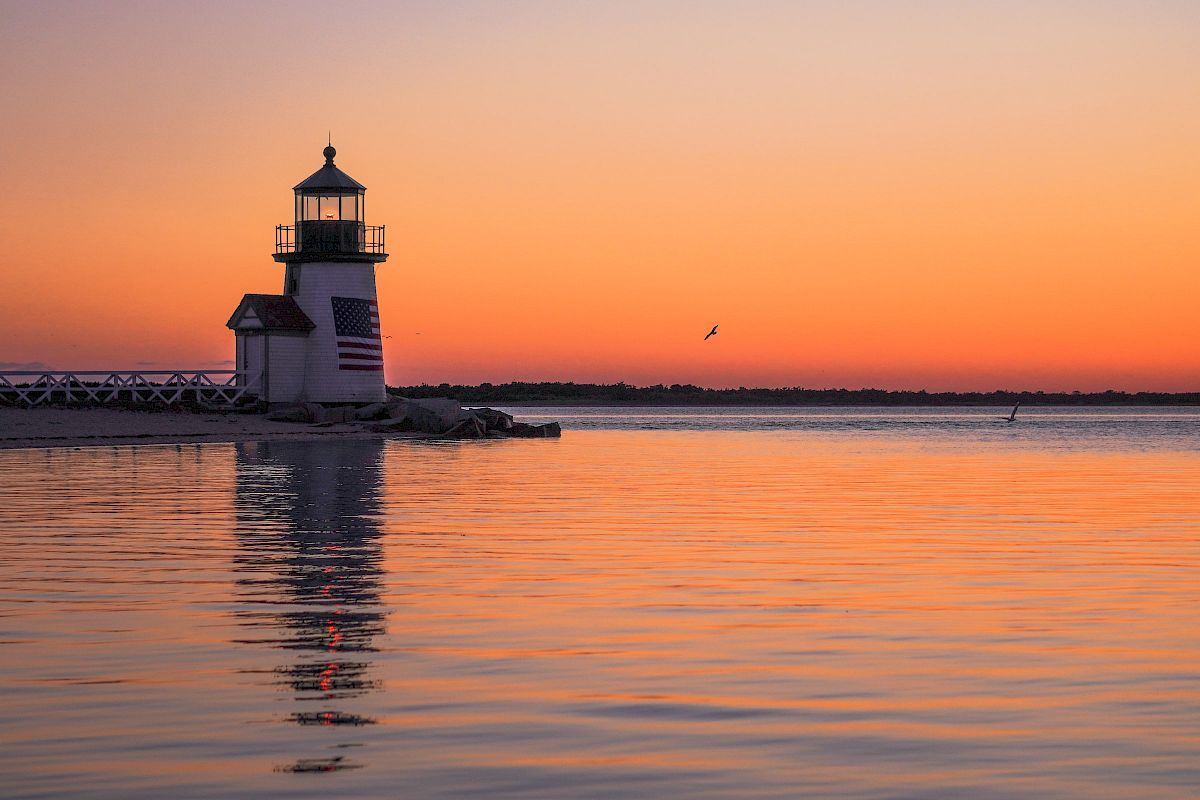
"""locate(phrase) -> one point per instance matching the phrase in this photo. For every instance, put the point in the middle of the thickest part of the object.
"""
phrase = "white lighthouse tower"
(319, 341)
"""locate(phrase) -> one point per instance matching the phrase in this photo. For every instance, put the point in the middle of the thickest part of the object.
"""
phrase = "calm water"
(664, 603)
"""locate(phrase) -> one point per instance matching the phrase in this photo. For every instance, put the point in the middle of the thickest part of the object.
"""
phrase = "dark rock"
(448, 411)
(435, 415)
(495, 420)
(550, 430)
(372, 411)
(470, 428)
(424, 420)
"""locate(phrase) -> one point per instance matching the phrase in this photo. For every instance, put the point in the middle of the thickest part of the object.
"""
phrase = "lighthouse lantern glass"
(311, 207)
(330, 208)
(340, 207)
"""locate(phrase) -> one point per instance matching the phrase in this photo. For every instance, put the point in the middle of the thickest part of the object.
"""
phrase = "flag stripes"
(356, 324)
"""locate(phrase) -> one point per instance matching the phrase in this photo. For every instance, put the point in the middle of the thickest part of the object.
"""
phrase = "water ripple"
(865, 604)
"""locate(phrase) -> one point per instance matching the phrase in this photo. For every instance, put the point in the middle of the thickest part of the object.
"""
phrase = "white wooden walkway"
(210, 387)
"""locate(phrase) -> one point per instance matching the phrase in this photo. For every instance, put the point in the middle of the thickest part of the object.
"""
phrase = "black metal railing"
(329, 236)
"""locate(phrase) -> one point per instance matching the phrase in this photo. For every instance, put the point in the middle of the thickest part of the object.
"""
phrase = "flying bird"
(713, 332)
(1013, 416)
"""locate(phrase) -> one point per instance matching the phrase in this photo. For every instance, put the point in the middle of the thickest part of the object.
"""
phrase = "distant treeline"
(622, 394)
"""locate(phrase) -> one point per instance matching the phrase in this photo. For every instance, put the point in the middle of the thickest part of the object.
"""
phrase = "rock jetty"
(438, 417)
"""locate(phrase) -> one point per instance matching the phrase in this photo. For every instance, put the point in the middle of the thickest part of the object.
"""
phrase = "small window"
(348, 209)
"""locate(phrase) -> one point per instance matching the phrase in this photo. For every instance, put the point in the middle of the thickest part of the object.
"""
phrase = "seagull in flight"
(1013, 416)
(713, 332)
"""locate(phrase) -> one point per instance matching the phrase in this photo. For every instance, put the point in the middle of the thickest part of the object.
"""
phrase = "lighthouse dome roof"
(329, 177)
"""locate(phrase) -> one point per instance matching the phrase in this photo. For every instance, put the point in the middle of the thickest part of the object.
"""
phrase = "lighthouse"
(319, 340)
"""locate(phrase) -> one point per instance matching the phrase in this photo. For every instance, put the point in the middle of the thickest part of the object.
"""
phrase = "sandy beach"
(95, 427)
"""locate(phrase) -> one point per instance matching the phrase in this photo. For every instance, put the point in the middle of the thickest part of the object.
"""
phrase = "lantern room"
(330, 220)
(326, 204)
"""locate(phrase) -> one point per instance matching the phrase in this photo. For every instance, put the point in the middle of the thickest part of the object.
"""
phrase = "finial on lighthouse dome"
(329, 153)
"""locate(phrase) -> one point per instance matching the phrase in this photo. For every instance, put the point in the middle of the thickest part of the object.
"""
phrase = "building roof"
(271, 312)
(329, 177)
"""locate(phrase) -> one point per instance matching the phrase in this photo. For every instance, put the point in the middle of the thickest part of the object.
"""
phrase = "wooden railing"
(167, 387)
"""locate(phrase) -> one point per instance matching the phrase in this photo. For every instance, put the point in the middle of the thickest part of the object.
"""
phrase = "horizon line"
(691, 386)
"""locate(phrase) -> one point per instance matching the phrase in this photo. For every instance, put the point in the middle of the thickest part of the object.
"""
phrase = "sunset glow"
(932, 195)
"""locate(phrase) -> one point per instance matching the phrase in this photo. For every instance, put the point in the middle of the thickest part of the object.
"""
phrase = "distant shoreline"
(620, 394)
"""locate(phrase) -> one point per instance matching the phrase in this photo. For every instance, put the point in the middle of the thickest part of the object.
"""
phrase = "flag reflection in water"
(309, 565)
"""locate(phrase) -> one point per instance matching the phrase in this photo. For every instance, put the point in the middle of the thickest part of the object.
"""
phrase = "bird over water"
(713, 332)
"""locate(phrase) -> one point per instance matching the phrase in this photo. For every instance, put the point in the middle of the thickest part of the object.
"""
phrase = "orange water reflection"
(811, 607)
(310, 572)
(614, 614)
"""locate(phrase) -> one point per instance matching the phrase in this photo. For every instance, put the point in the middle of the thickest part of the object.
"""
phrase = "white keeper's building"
(319, 341)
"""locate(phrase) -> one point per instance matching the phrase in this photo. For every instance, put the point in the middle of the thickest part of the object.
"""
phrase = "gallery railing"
(225, 387)
(329, 236)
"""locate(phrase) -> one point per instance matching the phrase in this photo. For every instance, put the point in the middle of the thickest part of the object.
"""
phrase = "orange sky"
(942, 196)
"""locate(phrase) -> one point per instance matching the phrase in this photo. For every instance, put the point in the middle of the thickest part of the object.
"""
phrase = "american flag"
(356, 323)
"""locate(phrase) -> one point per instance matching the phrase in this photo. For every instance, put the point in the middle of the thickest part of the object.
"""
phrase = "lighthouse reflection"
(309, 567)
